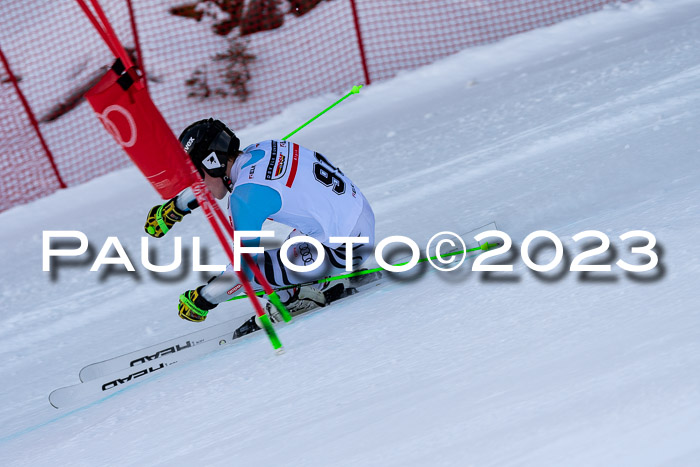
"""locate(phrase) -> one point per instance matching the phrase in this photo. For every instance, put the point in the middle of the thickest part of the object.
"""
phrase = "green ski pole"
(486, 246)
(274, 298)
(354, 90)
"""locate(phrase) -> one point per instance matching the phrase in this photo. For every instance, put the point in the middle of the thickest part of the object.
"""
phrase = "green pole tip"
(266, 324)
(485, 246)
(356, 89)
(151, 230)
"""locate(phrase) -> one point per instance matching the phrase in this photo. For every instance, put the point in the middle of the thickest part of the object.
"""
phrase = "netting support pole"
(32, 119)
(137, 44)
(361, 46)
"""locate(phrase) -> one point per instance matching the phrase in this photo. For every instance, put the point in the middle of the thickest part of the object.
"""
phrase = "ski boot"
(298, 299)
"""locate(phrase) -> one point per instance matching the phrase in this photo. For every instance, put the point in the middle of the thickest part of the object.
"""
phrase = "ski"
(103, 379)
(104, 386)
(178, 345)
(187, 343)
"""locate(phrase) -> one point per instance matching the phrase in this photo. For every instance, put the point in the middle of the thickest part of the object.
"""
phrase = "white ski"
(103, 379)
(183, 344)
(105, 386)
(155, 353)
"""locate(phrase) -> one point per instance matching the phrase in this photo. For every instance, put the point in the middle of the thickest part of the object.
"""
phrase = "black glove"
(162, 218)
(193, 307)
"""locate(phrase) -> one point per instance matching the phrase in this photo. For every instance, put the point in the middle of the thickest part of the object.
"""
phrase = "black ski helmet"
(209, 144)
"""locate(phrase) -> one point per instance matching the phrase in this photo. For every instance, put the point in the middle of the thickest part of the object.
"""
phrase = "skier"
(281, 181)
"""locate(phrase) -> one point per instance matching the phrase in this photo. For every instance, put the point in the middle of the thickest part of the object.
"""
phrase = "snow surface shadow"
(655, 275)
(83, 261)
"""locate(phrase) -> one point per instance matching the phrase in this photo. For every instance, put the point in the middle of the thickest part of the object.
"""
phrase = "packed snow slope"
(592, 124)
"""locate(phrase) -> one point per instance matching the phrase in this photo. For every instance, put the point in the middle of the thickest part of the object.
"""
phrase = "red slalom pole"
(201, 192)
(211, 211)
(267, 288)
